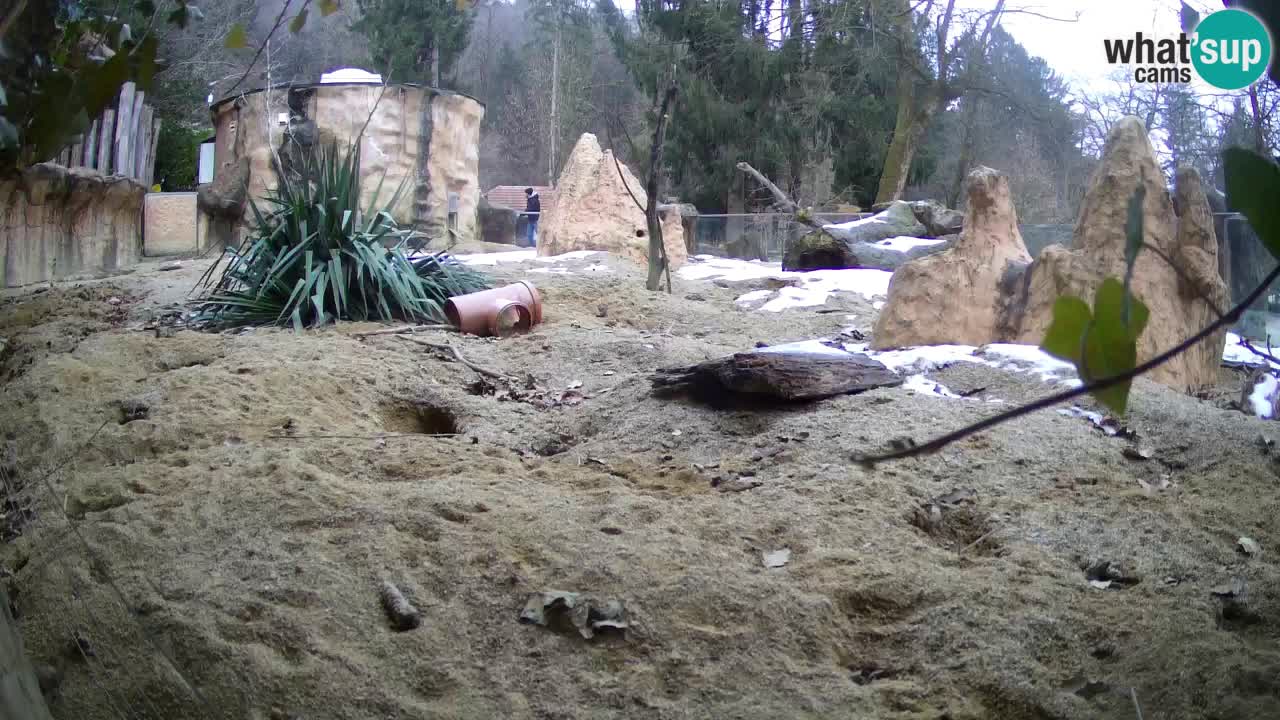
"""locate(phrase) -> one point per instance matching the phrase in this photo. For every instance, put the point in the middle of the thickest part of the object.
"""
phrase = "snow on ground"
(531, 255)
(1263, 396)
(873, 220)
(1237, 354)
(815, 288)
(903, 244)
(915, 362)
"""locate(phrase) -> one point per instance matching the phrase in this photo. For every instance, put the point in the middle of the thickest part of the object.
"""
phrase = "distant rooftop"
(351, 75)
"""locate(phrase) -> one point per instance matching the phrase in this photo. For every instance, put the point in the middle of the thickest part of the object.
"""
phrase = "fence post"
(124, 131)
(105, 132)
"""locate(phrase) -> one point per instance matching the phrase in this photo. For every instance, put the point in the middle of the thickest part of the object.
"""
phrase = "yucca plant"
(310, 258)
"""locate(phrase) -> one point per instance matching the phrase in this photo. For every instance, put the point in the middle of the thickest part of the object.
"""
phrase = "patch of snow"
(925, 386)
(1077, 411)
(731, 269)
(597, 268)
(1032, 359)
(878, 305)
(919, 359)
(571, 255)
(499, 257)
(804, 347)
(905, 243)
(1237, 354)
(873, 220)
(795, 297)
(1263, 396)
(815, 285)
(518, 256)
(753, 296)
(553, 271)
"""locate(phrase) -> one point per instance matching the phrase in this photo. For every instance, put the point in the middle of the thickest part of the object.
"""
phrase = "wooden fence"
(120, 142)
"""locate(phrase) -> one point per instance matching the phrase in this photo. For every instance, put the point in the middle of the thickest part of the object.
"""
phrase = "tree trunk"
(555, 92)
(435, 65)
(1259, 133)
(657, 251)
(969, 120)
(913, 117)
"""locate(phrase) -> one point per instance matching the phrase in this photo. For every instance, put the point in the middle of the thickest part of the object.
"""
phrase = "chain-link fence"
(753, 236)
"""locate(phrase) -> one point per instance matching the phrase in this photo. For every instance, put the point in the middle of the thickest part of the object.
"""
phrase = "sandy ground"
(247, 493)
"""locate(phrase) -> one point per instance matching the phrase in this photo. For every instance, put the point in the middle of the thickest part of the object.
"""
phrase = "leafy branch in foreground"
(1101, 343)
(310, 258)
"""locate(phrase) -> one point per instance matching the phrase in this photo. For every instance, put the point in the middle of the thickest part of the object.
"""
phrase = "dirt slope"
(250, 515)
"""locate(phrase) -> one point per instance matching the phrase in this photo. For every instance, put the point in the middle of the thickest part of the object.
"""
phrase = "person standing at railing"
(532, 210)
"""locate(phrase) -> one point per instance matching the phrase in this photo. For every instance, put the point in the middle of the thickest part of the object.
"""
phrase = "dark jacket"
(533, 204)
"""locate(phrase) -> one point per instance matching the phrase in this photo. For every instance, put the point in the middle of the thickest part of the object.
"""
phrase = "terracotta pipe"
(500, 311)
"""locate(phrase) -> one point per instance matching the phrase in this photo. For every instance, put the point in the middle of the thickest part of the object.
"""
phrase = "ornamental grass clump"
(312, 257)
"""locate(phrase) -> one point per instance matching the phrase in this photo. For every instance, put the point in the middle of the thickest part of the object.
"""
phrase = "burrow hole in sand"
(417, 417)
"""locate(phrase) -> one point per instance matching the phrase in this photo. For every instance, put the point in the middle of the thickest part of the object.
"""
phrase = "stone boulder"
(595, 210)
(959, 295)
(897, 220)
(820, 250)
(1174, 299)
(497, 224)
(937, 219)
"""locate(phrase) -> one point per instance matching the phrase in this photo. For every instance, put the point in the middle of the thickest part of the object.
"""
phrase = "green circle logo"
(1232, 49)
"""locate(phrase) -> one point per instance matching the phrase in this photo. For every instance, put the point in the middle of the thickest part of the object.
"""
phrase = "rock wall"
(1177, 310)
(170, 225)
(58, 223)
(955, 296)
(593, 210)
(986, 289)
(419, 142)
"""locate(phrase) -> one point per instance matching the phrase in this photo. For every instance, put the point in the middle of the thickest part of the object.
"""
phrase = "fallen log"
(779, 375)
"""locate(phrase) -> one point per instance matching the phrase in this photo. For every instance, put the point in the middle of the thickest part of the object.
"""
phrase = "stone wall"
(420, 142)
(170, 225)
(57, 223)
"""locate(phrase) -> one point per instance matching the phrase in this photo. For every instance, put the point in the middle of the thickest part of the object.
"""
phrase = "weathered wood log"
(780, 375)
(782, 201)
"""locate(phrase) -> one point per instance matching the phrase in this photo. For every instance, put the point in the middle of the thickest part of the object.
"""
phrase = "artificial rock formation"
(1176, 300)
(593, 210)
(983, 289)
(938, 219)
(57, 223)
(956, 296)
(897, 220)
(821, 250)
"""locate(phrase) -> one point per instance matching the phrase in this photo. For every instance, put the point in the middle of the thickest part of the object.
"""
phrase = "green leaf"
(1111, 346)
(1101, 343)
(100, 84)
(328, 7)
(1253, 188)
(4, 99)
(298, 22)
(237, 38)
(1065, 337)
(145, 57)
